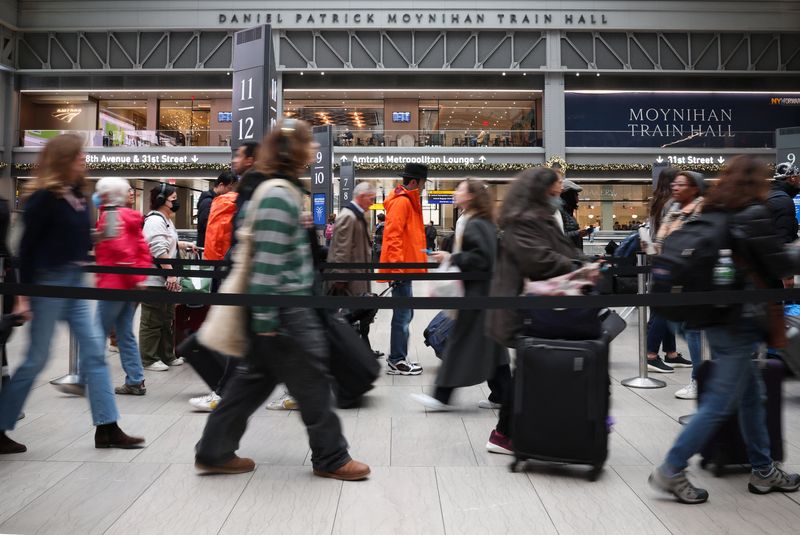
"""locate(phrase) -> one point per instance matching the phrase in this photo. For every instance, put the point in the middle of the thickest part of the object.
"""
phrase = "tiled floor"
(430, 472)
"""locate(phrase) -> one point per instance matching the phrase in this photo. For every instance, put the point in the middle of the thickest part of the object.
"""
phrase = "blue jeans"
(118, 315)
(92, 360)
(401, 318)
(659, 335)
(694, 339)
(734, 385)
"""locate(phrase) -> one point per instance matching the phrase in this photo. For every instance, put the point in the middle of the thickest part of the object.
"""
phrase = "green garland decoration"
(142, 166)
(557, 160)
(497, 167)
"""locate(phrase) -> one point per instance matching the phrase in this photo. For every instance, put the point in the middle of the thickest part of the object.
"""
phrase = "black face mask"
(176, 205)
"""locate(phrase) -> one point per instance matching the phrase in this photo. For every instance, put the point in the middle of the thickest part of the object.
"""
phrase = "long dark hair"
(528, 191)
(481, 204)
(661, 195)
(743, 181)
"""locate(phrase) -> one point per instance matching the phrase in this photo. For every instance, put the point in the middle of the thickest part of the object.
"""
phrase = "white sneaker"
(486, 404)
(688, 392)
(113, 349)
(157, 366)
(431, 403)
(177, 362)
(205, 403)
(284, 403)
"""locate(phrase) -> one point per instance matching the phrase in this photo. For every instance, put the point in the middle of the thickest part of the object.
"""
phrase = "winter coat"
(471, 356)
(351, 243)
(203, 211)
(760, 253)
(780, 203)
(533, 247)
(128, 249)
(220, 226)
(404, 232)
(572, 229)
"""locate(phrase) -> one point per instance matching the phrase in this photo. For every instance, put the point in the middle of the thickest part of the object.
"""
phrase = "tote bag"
(225, 329)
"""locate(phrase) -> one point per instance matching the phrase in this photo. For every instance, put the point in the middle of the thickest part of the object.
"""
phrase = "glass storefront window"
(614, 207)
(354, 122)
(490, 122)
(184, 122)
(118, 118)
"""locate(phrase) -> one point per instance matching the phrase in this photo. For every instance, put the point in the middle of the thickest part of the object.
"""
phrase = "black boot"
(8, 446)
(111, 436)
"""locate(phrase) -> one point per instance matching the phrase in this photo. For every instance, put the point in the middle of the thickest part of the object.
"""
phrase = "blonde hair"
(56, 158)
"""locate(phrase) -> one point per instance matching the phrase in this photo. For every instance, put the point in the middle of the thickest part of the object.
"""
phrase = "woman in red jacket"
(124, 246)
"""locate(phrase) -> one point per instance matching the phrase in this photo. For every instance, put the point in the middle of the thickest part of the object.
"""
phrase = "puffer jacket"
(203, 211)
(128, 249)
(404, 232)
(780, 203)
(758, 249)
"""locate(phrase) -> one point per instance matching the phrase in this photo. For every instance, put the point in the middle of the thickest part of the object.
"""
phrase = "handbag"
(562, 323)
(226, 328)
(198, 284)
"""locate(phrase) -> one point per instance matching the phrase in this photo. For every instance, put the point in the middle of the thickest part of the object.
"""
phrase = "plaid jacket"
(281, 254)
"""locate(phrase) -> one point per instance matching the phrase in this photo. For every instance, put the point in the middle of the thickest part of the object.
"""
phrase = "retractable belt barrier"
(218, 273)
(431, 303)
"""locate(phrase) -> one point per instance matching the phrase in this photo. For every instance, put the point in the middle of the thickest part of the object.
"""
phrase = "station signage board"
(440, 197)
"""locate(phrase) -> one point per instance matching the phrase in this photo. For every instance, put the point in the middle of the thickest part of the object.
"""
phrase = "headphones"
(161, 198)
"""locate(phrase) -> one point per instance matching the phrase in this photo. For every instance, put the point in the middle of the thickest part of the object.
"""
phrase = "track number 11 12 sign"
(255, 86)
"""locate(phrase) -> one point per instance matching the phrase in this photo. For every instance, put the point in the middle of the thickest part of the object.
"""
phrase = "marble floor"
(430, 471)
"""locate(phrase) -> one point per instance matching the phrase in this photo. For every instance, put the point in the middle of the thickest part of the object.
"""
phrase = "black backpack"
(686, 264)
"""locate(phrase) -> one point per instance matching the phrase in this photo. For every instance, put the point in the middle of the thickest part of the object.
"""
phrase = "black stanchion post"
(643, 381)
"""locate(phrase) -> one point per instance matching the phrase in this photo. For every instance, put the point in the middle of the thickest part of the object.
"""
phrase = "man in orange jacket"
(404, 241)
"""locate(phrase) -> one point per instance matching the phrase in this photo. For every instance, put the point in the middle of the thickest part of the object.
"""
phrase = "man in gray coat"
(351, 243)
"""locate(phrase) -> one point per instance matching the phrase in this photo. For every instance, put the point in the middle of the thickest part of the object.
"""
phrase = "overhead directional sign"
(690, 159)
(440, 197)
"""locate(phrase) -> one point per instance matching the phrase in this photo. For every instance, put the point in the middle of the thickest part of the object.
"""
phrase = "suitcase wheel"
(515, 465)
(595, 472)
(718, 470)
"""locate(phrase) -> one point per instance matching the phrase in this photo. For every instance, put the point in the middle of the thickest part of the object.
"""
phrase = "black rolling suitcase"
(561, 401)
(726, 447)
(352, 363)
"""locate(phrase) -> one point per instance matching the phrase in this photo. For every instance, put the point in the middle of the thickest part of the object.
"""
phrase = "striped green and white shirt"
(281, 254)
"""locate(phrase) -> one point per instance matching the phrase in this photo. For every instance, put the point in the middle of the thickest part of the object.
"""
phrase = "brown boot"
(8, 446)
(237, 465)
(111, 436)
(351, 471)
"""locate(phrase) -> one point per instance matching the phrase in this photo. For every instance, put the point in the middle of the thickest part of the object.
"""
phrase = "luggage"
(561, 401)
(209, 365)
(352, 362)
(437, 332)
(727, 447)
(188, 319)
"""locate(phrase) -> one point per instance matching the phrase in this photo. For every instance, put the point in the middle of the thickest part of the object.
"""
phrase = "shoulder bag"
(226, 328)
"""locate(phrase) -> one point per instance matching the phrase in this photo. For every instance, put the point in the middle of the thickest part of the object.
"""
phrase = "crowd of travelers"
(260, 207)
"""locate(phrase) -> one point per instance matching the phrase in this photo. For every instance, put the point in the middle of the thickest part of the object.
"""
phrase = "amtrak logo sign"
(66, 114)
